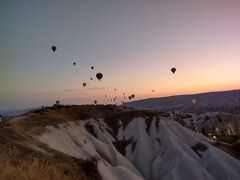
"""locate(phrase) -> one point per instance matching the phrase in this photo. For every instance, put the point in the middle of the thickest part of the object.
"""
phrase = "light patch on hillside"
(74, 140)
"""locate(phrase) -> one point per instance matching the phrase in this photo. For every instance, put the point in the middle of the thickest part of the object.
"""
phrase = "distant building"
(57, 102)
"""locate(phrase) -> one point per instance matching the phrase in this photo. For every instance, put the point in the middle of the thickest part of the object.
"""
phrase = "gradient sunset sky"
(134, 43)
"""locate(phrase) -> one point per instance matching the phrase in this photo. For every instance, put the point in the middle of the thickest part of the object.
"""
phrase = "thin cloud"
(84, 90)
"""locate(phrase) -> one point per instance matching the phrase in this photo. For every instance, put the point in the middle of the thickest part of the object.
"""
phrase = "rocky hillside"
(108, 142)
(224, 101)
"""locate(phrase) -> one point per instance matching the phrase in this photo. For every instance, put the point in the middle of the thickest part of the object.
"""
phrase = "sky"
(134, 43)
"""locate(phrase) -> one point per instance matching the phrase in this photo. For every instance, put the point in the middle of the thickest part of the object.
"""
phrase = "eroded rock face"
(212, 123)
(120, 144)
(162, 149)
(167, 150)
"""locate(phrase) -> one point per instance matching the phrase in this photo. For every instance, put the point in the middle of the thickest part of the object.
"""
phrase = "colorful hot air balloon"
(92, 67)
(99, 76)
(173, 70)
(84, 84)
(54, 48)
(194, 101)
(95, 101)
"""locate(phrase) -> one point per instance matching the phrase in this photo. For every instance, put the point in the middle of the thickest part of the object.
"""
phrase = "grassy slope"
(20, 161)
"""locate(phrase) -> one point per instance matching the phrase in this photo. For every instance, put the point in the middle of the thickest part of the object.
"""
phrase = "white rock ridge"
(165, 150)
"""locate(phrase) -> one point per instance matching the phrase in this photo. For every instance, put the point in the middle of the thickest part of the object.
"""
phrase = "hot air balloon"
(194, 101)
(173, 70)
(124, 98)
(92, 67)
(74, 63)
(99, 76)
(129, 97)
(115, 89)
(84, 84)
(124, 94)
(91, 79)
(153, 90)
(105, 96)
(54, 48)
(133, 96)
(95, 101)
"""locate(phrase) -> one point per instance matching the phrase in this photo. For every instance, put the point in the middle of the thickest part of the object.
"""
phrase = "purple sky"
(134, 43)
